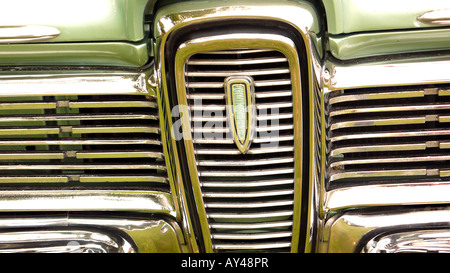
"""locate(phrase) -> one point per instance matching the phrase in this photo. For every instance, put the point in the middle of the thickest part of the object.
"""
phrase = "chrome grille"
(248, 197)
(80, 140)
(388, 135)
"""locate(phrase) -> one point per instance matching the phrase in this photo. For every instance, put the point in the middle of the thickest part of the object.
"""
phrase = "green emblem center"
(240, 111)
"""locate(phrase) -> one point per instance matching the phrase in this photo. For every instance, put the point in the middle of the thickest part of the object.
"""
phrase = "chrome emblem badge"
(241, 114)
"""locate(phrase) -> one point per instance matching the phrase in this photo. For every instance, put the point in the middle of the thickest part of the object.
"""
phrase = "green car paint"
(111, 32)
(99, 32)
(347, 47)
(104, 54)
(351, 16)
(79, 20)
(362, 28)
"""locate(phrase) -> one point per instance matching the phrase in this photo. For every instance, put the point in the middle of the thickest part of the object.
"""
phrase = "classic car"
(225, 126)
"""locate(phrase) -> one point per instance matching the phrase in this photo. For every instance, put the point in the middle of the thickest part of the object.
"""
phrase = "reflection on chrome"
(80, 232)
(31, 33)
(62, 241)
(421, 241)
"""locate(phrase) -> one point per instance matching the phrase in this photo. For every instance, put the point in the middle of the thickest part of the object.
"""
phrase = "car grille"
(249, 198)
(388, 135)
(80, 140)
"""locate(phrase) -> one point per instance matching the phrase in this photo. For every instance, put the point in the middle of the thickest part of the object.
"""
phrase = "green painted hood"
(79, 20)
(353, 16)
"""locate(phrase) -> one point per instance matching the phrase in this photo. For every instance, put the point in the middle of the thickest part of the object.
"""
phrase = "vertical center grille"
(249, 197)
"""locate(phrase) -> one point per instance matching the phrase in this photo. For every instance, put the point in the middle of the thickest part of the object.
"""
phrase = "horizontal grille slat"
(377, 96)
(387, 135)
(255, 215)
(250, 226)
(232, 151)
(257, 140)
(221, 84)
(236, 61)
(74, 104)
(74, 117)
(252, 236)
(226, 163)
(236, 205)
(247, 184)
(249, 198)
(81, 140)
(261, 246)
(40, 142)
(247, 194)
(260, 72)
(261, 172)
(81, 167)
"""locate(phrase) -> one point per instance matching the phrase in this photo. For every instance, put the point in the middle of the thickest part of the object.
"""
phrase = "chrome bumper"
(93, 233)
(364, 231)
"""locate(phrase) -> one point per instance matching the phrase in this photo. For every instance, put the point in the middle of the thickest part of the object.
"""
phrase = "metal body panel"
(87, 53)
(350, 16)
(79, 20)
(360, 29)
(372, 44)
(50, 32)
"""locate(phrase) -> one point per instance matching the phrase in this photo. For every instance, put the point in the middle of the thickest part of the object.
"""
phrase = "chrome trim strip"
(77, 83)
(30, 33)
(87, 200)
(378, 96)
(436, 17)
(379, 148)
(414, 71)
(378, 173)
(387, 195)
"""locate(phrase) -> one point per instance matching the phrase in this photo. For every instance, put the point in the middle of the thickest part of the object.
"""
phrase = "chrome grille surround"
(172, 22)
(257, 209)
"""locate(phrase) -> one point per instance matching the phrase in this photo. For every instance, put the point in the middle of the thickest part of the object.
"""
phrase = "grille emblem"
(239, 92)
